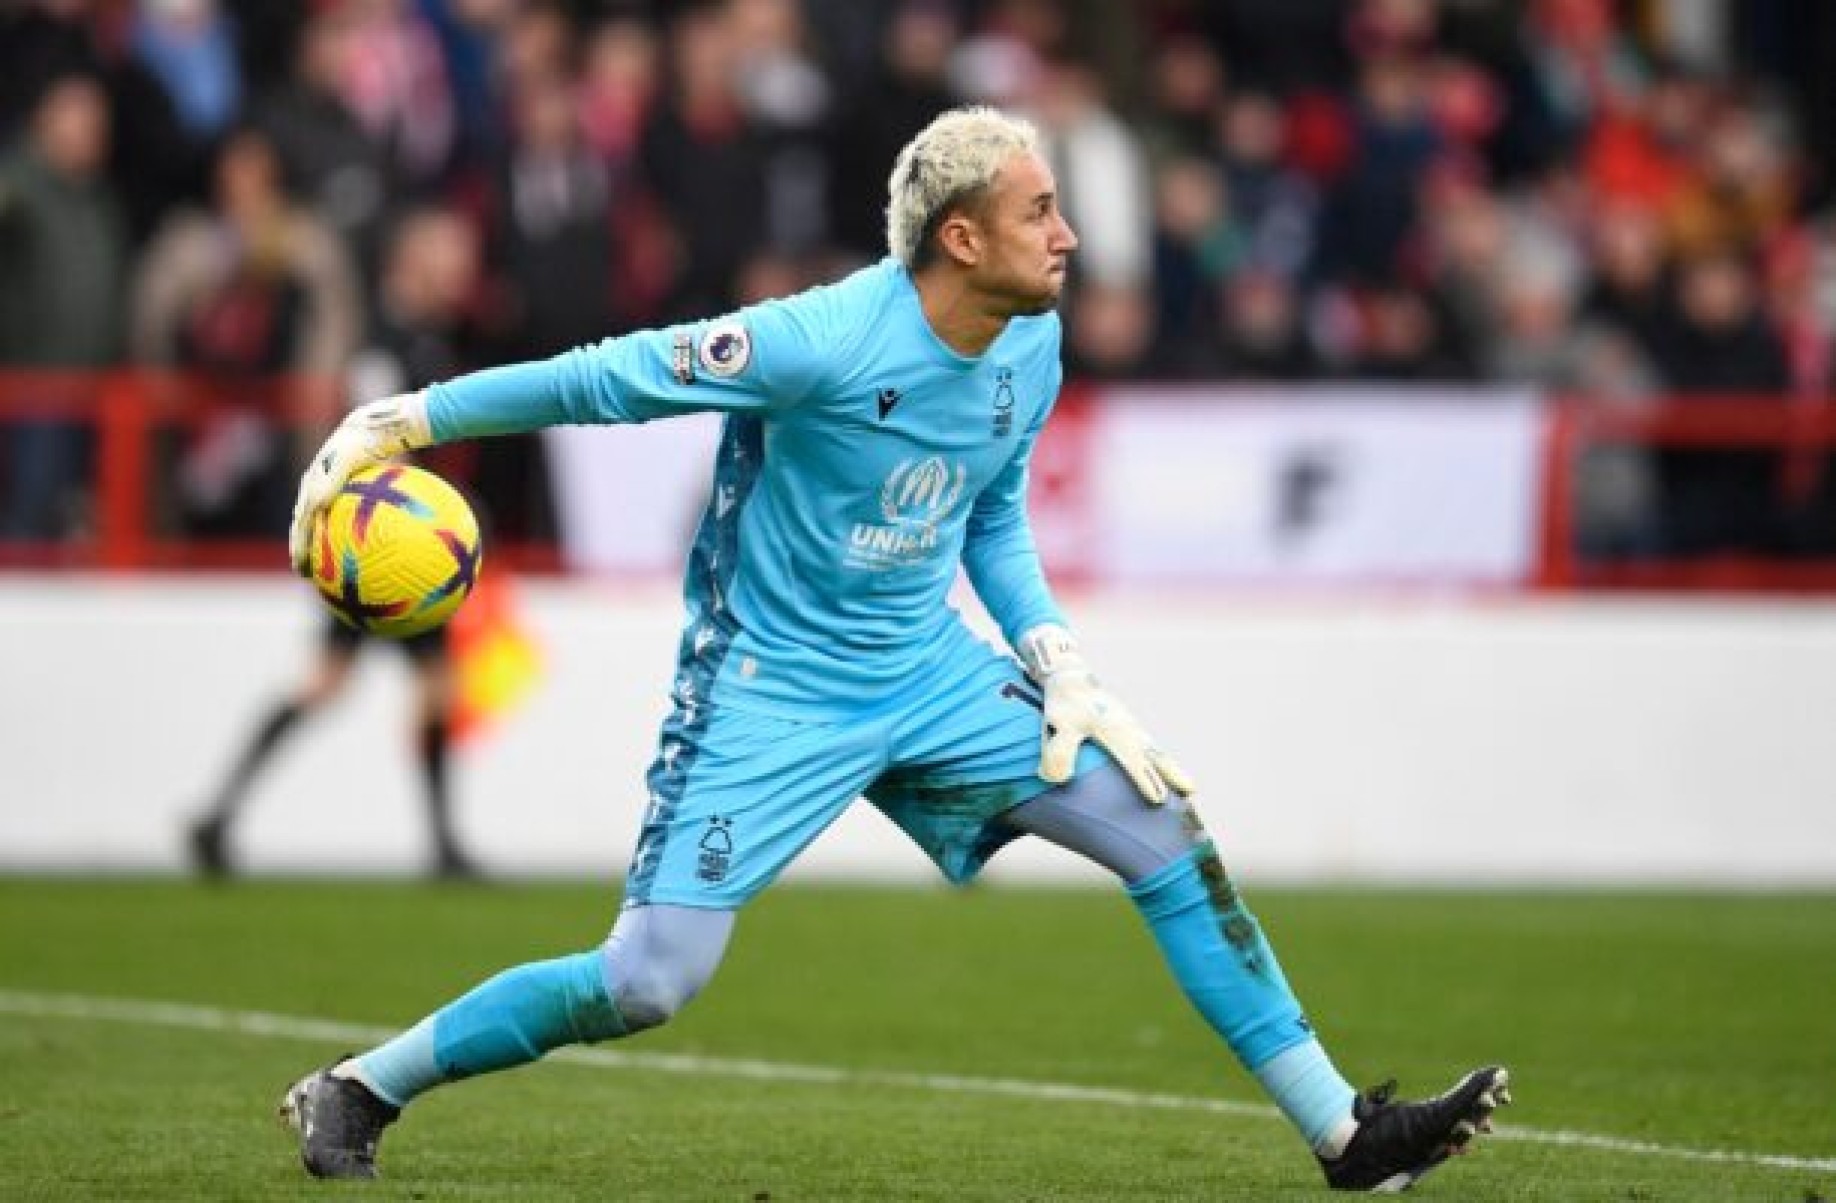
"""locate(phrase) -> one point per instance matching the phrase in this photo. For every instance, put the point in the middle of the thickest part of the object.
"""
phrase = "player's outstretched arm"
(1077, 708)
(368, 435)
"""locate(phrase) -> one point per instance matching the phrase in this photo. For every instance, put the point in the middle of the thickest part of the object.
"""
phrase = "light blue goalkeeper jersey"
(861, 461)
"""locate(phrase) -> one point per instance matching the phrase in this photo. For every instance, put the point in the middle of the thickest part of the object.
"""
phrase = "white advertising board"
(1169, 486)
(628, 498)
(1313, 487)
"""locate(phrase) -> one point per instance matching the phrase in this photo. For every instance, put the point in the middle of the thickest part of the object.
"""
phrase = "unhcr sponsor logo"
(916, 498)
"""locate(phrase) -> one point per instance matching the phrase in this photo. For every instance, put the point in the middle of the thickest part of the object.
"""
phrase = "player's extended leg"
(1222, 960)
(656, 959)
(1214, 946)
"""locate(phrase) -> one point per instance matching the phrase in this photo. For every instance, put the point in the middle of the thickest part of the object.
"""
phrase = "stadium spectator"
(1644, 148)
(64, 241)
(1630, 286)
(1371, 211)
(1465, 246)
(159, 159)
(878, 438)
(1799, 267)
(618, 91)
(1799, 270)
(788, 99)
(706, 164)
(1543, 341)
(555, 254)
(479, 42)
(417, 335)
(1718, 340)
(253, 288)
(189, 47)
(1570, 65)
(393, 77)
(1391, 27)
(155, 163)
(330, 160)
(1000, 59)
(41, 41)
(1102, 172)
(552, 225)
(1261, 334)
(1718, 345)
(1186, 88)
(1467, 104)
(618, 86)
(1744, 190)
(909, 87)
(1276, 206)
(422, 327)
(1402, 337)
(1535, 335)
(1197, 245)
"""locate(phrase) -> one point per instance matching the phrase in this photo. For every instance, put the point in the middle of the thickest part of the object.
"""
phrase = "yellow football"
(397, 551)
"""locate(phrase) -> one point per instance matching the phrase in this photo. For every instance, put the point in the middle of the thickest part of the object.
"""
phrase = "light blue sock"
(512, 1019)
(403, 1066)
(1308, 1089)
(1219, 956)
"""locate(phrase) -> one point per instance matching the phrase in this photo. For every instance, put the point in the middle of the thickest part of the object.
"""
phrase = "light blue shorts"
(736, 796)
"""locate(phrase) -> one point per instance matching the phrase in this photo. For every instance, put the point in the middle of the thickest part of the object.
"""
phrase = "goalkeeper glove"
(1077, 708)
(368, 435)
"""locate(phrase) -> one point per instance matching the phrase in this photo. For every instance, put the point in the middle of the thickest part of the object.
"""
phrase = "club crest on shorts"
(726, 348)
(716, 851)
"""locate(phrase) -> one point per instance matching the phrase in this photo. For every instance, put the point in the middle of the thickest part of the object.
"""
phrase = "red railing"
(1803, 432)
(125, 410)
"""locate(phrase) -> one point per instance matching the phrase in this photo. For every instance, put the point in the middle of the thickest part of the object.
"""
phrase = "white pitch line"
(295, 1027)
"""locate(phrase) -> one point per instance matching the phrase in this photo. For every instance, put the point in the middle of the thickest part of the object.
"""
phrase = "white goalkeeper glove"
(368, 435)
(1077, 708)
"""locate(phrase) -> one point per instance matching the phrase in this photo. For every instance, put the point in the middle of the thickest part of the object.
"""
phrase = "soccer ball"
(397, 551)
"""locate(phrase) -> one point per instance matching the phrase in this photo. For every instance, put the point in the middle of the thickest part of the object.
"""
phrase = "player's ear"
(960, 238)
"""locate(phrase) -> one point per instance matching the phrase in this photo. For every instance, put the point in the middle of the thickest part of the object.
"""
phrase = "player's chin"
(1043, 301)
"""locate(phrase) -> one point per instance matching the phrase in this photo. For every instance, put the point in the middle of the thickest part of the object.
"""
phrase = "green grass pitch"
(1645, 1032)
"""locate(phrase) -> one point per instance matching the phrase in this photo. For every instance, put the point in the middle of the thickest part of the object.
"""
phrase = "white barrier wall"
(1336, 739)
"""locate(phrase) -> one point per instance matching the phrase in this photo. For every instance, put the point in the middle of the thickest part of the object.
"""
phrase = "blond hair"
(949, 164)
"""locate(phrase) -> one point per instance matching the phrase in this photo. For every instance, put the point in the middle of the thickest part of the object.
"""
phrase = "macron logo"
(889, 397)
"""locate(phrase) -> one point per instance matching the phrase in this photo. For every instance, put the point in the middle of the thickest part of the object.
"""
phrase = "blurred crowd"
(1618, 200)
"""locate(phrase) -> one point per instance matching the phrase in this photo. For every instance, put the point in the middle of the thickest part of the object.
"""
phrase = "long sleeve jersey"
(861, 461)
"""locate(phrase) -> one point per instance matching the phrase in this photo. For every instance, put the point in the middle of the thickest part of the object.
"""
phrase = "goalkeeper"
(877, 434)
